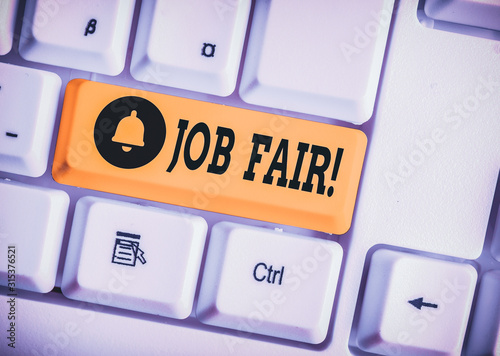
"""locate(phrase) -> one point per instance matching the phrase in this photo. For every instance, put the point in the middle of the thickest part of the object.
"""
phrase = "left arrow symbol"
(419, 303)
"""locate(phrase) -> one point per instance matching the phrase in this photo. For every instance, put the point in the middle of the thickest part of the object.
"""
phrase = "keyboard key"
(484, 337)
(415, 305)
(207, 156)
(8, 10)
(32, 221)
(318, 57)
(87, 35)
(26, 130)
(283, 285)
(478, 13)
(134, 257)
(194, 45)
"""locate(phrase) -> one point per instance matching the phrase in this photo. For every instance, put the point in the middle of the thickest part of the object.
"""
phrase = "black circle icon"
(129, 132)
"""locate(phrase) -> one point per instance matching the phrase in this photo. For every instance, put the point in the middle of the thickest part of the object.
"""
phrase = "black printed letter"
(319, 171)
(182, 126)
(256, 156)
(220, 150)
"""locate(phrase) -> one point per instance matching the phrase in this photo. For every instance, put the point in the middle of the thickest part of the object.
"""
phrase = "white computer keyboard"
(219, 177)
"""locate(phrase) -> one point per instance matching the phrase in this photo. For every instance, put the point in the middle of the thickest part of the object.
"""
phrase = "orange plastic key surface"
(208, 156)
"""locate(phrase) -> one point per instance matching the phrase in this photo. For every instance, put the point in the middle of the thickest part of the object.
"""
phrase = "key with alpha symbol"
(204, 58)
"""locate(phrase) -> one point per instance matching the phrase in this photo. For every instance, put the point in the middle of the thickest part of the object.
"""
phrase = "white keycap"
(26, 130)
(8, 9)
(415, 305)
(194, 45)
(90, 35)
(267, 282)
(484, 337)
(134, 257)
(32, 221)
(319, 57)
(479, 13)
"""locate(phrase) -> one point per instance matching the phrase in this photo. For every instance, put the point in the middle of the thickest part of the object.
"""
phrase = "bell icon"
(129, 132)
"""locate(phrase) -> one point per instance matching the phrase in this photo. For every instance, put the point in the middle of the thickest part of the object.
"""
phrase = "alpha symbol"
(91, 27)
(208, 50)
(129, 132)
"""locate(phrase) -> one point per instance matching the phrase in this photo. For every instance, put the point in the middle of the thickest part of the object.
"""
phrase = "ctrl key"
(267, 282)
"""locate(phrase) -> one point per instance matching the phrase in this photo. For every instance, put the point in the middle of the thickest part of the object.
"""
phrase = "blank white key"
(28, 101)
(8, 10)
(319, 57)
(194, 45)
(479, 13)
(90, 35)
(415, 305)
(32, 222)
(134, 257)
(267, 282)
(484, 337)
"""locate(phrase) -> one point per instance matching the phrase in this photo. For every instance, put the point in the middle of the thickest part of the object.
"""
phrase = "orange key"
(208, 156)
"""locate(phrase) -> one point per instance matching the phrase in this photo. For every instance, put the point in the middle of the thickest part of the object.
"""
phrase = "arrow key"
(415, 305)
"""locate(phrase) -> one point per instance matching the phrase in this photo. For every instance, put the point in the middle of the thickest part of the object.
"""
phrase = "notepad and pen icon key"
(126, 250)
